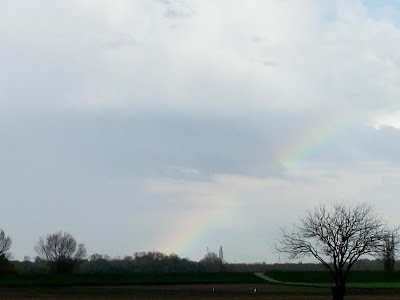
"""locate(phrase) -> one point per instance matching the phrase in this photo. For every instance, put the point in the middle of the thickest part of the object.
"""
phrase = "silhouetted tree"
(221, 254)
(337, 238)
(5, 245)
(388, 255)
(211, 263)
(61, 251)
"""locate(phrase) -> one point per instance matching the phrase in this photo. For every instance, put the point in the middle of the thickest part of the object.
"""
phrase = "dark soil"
(203, 292)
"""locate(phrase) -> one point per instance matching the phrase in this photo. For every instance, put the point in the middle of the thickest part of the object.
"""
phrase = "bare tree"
(61, 251)
(221, 254)
(5, 243)
(388, 253)
(211, 263)
(337, 238)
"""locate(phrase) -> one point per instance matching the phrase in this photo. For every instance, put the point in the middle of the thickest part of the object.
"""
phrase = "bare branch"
(337, 237)
(61, 250)
(5, 242)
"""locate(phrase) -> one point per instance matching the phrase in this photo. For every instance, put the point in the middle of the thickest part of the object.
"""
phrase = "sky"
(185, 125)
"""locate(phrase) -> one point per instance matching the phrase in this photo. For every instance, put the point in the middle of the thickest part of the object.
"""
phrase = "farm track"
(271, 280)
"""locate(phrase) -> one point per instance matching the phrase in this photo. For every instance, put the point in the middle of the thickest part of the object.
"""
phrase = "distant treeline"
(156, 262)
(361, 265)
(140, 262)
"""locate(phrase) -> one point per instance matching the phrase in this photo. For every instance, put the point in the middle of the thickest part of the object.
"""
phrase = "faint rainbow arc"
(308, 142)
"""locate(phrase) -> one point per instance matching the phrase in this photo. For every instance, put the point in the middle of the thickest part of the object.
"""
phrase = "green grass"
(357, 279)
(125, 279)
(299, 276)
(322, 279)
(376, 285)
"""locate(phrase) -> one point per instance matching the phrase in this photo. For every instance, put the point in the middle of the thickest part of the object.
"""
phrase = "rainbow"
(303, 146)
(311, 141)
(194, 230)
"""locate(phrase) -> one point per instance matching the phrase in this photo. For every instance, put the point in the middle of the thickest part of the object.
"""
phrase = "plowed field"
(198, 291)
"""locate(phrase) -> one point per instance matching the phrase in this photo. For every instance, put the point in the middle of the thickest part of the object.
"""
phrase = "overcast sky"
(177, 125)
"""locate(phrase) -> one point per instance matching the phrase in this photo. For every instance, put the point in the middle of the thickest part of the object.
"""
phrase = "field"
(187, 286)
(50, 280)
(359, 279)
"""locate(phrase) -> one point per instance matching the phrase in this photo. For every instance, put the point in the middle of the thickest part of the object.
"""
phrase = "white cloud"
(254, 55)
(391, 119)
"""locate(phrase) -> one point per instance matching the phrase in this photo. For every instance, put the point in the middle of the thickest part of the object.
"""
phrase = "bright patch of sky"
(381, 10)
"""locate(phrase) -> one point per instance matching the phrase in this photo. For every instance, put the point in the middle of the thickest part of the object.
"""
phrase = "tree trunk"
(338, 292)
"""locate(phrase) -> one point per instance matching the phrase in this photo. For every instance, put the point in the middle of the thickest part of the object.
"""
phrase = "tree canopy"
(60, 250)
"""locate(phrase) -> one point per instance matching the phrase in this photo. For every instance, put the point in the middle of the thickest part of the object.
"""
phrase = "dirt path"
(269, 279)
(266, 278)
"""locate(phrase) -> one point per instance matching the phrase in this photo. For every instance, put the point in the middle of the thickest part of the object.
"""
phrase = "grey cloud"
(120, 41)
(82, 126)
(134, 145)
(381, 144)
(90, 166)
(177, 8)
